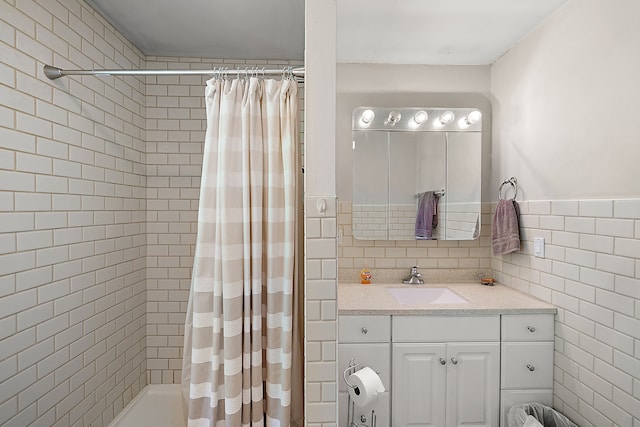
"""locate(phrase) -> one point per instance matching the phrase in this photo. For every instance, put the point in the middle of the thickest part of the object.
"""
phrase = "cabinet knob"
(531, 367)
(443, 361)
(531, 329)
(454, 360)
(364, 330)
(363, 419)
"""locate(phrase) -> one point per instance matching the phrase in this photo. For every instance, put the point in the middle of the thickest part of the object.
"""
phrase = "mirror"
(416, 173)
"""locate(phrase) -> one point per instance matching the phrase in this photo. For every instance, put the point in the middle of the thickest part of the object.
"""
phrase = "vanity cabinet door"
(473, 384)
(419, 385)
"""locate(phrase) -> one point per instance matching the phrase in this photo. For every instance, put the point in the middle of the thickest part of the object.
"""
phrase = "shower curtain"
(237, 362)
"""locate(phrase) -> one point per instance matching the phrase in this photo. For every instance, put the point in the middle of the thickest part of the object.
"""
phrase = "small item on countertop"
(487, 281)
(365, 276)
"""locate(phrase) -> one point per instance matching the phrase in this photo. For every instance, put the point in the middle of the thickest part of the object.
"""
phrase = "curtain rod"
(54, 73)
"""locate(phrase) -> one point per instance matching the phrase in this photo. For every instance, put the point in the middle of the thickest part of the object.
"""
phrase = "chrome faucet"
(415, 278)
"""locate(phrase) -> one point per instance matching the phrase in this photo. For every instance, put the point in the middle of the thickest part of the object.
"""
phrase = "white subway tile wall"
(175, 128)
(321, 332)
(592, 274)
(72, 218)
(98, 218)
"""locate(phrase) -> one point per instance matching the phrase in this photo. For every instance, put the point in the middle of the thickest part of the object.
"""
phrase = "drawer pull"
(531, 329)
(454, 360)
(364, 330)
(443, 361)
(531, 367)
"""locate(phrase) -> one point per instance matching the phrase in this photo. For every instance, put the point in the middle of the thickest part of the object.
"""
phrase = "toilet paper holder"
(352, 367)
(350, 406)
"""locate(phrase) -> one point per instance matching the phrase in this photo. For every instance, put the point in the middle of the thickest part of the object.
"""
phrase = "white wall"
(565, 124)
(321, 372)
(565, 105)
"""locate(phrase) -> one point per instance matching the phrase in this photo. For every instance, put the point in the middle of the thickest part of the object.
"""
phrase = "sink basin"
(426, 296)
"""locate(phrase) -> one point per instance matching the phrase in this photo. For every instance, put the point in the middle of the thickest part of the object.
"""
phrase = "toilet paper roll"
(366, 386)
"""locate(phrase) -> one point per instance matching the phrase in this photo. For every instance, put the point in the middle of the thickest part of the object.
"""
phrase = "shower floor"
(158, 405)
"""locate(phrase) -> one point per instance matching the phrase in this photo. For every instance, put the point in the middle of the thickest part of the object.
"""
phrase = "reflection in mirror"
(416, 173)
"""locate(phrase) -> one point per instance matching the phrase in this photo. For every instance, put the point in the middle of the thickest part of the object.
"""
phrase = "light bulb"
(447, 117)
(473, 117)
(393, 118)
(420, 117)
(367, 116)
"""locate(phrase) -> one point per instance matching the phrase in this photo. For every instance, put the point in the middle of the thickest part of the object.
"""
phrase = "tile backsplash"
(390, 260)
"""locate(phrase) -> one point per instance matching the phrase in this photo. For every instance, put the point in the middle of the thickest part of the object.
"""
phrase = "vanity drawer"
(445, 328)
(376, 356)
(530, 327)
(364, 329)
(527, 365)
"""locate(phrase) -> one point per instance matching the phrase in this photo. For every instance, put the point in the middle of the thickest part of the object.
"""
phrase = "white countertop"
(374, 299)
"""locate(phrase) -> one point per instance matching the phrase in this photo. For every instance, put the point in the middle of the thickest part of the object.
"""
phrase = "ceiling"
(454, 32)
(230, 29)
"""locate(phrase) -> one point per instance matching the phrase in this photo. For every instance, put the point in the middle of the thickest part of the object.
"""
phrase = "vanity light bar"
(417, 119)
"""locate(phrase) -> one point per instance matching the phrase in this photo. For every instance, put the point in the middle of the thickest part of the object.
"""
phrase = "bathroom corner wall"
(591, 272)
(175, 129)
(565, 125)
(72, 219)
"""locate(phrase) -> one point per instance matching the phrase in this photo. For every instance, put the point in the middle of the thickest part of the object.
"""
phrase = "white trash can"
(536, 415)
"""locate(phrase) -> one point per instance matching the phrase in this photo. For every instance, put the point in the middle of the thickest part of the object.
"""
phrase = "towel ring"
(513, 181)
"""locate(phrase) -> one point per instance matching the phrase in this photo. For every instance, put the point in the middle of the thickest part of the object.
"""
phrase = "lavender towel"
(426, 215)
(505, 230)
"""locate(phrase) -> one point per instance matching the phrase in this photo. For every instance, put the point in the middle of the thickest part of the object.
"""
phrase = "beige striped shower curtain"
(237, 365)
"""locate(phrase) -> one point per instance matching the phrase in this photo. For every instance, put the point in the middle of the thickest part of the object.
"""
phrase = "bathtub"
(158, 405)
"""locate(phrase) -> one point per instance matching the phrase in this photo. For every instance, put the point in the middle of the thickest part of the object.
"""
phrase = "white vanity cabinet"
(365, 339)
(446, 370)
(449, 370)
(527, 360)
